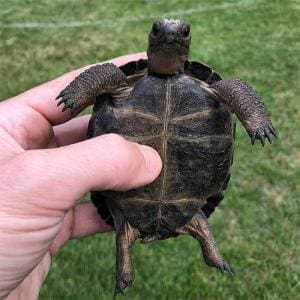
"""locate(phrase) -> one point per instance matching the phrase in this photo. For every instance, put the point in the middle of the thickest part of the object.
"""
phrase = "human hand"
(46, 166)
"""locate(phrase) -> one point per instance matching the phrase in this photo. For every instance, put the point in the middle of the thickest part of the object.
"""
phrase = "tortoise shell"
(193, 134)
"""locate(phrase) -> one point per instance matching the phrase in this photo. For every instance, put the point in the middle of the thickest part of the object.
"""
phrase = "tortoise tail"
(211, 204)
(213, 201)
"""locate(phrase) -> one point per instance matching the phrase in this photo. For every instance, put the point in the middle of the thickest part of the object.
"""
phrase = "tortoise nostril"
(170, 36)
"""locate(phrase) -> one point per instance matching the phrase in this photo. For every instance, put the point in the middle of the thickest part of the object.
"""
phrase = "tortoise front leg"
(97, 80)
(248, 106)
(125, 273)
(198, 228)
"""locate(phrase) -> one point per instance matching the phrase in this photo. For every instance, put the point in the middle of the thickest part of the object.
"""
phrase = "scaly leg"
(97, 80)
(247, 105)
(198, 228)
(125, 273)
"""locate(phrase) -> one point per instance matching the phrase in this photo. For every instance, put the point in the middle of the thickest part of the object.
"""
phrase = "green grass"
(257, 225)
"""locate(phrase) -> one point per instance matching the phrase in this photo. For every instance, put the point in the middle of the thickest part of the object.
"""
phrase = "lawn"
(257, 224)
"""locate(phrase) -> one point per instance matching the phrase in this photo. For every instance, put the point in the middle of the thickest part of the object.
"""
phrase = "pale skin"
(46, 166)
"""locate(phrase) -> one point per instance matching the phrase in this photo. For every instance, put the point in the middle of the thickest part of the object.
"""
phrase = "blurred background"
(257, 224)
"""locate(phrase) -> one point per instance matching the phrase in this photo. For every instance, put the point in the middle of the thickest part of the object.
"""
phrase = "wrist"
(29, 289)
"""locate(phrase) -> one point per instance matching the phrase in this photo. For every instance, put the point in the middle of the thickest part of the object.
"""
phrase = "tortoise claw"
(65, 108)
(69, 99)
(268, 135)
(273, 131)
(252, 136)
(124, 280)
(60, 102)
(67, 105)
(231, 271)
(226, 267)
(266, 131)
(116, 292)
(59, 95)
(261, 137)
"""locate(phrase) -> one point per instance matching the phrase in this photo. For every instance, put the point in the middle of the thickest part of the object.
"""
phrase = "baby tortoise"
(184, 110)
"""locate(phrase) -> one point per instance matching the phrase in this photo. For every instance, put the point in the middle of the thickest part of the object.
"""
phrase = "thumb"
(56, 178)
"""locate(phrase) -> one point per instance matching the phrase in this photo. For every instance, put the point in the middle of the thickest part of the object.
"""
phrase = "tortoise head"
(168, 49)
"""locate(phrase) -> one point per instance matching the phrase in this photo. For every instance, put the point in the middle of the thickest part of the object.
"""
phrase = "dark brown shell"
(212, 195)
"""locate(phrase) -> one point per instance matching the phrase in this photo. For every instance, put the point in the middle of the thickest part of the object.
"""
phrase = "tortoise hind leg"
(125, 237)
(198, 228)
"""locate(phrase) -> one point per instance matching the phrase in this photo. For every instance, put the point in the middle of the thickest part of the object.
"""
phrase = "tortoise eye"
(155, 29)
(186, 31)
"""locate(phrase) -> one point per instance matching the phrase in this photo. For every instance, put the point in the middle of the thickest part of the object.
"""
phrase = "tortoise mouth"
(175, 46)
(172, 43)
(169, 47)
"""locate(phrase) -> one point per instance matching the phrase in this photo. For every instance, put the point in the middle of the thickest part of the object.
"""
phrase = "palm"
(23, 127)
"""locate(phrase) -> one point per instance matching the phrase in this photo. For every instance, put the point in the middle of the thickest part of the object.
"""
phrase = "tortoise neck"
(165, 63)
(165, 76)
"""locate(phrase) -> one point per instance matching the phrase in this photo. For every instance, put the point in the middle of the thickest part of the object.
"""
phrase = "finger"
(81, 221)
(42, 98)
(87, 221)
(29, 117)
(64, 232)
(72, 131)
(56, 178)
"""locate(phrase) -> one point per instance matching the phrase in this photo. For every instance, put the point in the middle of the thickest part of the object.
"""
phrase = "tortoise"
(184, 110)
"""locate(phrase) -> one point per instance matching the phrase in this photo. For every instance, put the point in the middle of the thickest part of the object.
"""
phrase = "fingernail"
(152, 159)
